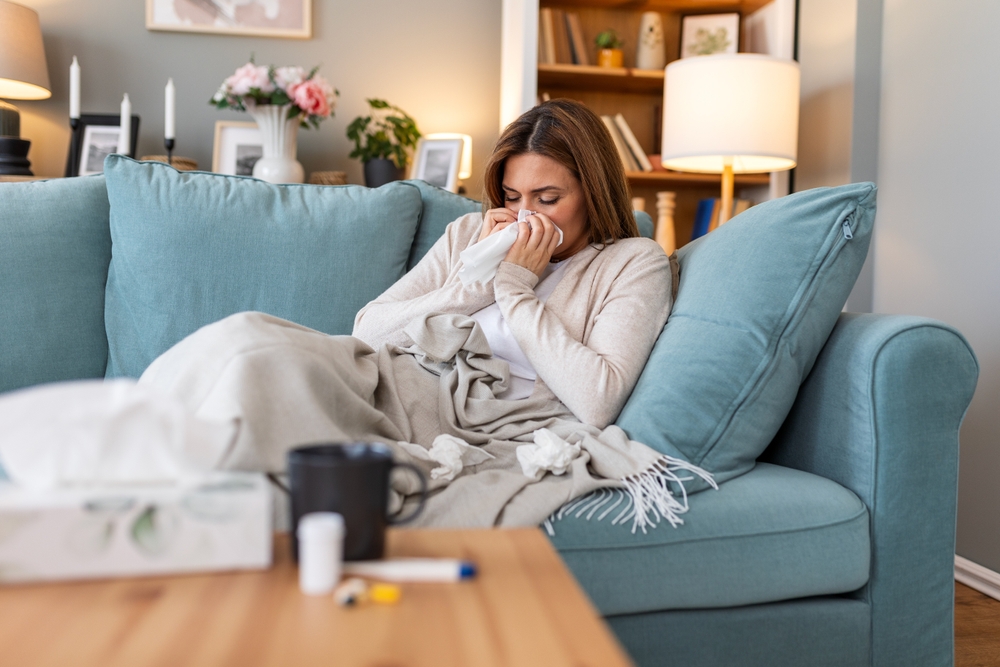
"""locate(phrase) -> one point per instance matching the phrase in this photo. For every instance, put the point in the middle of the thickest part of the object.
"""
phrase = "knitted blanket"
(489, 462)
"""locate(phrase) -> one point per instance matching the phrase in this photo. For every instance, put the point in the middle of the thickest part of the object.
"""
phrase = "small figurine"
(650, 54)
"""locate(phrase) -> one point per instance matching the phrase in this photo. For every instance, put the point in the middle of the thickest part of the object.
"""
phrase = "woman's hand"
(535, 244)
(495, 220)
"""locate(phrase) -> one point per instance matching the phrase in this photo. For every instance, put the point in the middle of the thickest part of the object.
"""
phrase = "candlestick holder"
(169, 144)
(74, 147)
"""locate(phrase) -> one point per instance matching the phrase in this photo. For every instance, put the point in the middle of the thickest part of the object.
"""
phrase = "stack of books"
(560, 38)
(706, 217)
(631, 153)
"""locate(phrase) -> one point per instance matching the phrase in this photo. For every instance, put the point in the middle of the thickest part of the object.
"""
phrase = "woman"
(575, 320)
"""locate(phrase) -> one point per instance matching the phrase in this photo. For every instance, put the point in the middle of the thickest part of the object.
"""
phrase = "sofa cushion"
(54, 254)
(756, 302)
(772, 534)
(439, 208)
(190, 248)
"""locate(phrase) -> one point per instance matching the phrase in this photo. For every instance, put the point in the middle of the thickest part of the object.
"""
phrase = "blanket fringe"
(650, 497)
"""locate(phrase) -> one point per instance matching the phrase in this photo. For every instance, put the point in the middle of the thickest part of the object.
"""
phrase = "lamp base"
(14, 157)
(10, 120)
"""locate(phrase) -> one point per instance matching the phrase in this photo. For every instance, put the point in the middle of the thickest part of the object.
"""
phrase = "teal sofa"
(835, 548)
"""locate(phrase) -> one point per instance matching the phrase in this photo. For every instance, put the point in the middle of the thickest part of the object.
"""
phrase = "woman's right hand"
(497, 219)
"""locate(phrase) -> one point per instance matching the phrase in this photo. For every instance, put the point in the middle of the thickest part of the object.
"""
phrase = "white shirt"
(502, 342)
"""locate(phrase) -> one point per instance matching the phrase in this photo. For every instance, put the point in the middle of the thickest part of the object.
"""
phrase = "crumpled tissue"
(452, 453)
(549, 453)
(481, 261)
(99, 432)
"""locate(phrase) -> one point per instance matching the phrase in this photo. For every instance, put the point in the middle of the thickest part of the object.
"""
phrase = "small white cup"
(321, 552)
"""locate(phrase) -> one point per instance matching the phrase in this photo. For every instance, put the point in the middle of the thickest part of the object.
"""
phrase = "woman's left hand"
(535, 244)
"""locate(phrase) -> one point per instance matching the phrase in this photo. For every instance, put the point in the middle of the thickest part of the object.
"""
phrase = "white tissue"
(452, 453)
(93, 432)
(550, 452)
(481, 261)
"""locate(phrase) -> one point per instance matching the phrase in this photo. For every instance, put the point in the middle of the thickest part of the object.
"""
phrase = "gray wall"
(826, 61)
(437, 59)
(937, 248)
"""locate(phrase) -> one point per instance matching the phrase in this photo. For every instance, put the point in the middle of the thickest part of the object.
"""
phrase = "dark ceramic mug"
(351, 479)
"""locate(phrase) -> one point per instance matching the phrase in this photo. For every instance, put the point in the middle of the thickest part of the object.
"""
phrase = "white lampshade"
(24, 74)
(465, 168)
(740, 107)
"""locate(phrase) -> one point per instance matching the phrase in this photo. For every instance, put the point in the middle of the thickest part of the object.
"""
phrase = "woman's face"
(539, 183)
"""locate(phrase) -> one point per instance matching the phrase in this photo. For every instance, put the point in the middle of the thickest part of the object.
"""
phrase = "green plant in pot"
(382, 141)
(609, 49)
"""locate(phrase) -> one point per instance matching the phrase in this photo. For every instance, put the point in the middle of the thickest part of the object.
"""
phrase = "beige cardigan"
(588, 342)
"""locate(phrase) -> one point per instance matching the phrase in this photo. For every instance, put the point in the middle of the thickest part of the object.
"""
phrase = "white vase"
(279, 134)
(650, 53)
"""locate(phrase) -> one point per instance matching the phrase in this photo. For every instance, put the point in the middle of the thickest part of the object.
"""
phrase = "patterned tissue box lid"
(221, 521)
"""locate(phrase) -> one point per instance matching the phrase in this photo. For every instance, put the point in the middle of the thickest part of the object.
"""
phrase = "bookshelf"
(637, 94)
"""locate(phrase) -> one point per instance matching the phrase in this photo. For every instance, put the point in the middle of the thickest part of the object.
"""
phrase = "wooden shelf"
(686, 6)
(682, 179)
(591, 77)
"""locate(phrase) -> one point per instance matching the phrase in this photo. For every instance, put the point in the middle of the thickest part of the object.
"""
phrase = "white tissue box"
(220, 522)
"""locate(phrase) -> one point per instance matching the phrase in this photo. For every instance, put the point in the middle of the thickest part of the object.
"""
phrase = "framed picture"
(238, 146)
(95, 138)
(263, 18)
(708, 34)
(436, 161)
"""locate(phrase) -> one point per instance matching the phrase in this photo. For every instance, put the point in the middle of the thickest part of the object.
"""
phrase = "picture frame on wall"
(261, 18)
(238, 145)
(710, 34)
(95, 138)
(436, 161)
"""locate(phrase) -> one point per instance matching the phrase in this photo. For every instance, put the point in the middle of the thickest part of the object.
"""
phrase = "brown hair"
(575, 137)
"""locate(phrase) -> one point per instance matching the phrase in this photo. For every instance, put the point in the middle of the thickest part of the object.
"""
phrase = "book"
(702, 217)
(741, 205)
(546, 37)
(560, 38)
(623, 152)
(713, 221)
(640, 155)
(575, 30)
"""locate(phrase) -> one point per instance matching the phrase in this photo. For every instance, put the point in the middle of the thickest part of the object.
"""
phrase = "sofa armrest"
(880, 414)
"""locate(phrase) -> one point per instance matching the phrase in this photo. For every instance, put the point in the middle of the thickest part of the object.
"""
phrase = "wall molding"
(976, 576)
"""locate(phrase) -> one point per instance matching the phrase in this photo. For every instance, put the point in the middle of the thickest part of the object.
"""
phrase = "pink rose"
(247, 77)
(312, 96)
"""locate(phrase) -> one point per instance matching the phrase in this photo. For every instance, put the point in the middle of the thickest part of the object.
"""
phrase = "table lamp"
(730, 114)
(23, 76)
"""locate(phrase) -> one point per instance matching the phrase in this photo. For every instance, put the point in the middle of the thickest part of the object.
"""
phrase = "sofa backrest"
(54, 253)
(56, 248)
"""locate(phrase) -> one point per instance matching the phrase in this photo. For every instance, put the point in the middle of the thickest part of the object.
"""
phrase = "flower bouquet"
(281, 99)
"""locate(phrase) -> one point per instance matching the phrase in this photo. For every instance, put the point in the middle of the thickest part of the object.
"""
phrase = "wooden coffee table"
(523, 609)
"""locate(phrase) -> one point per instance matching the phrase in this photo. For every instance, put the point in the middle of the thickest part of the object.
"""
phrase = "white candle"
(74, 89)
(168, 112)
(125, 131)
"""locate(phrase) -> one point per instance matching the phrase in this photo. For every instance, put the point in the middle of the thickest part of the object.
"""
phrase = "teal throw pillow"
(190, 248)
(439, 208)
(757, 300)
(54, 254)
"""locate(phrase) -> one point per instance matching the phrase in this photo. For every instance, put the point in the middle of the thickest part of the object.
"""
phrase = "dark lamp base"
(14, 157)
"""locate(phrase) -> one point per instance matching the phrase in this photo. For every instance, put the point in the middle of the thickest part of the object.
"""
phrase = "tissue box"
(219, 522)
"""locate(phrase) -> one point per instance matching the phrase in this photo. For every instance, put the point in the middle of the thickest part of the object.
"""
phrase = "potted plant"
(382, 141)
(609, 47)
(280, 99)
